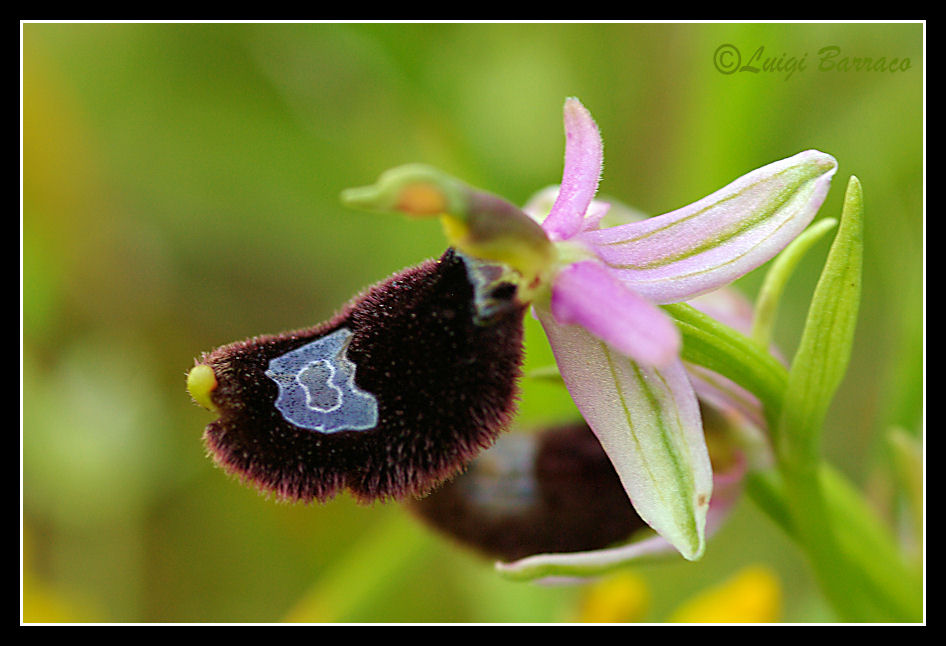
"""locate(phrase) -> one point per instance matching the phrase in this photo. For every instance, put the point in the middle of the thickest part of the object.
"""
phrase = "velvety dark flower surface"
(427, 363)
(533, 493)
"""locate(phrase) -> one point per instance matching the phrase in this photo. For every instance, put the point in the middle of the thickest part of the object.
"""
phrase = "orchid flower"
(597, 291)
(547, 505)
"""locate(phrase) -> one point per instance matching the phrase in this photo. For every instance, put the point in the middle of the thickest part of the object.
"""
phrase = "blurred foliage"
(180, 190)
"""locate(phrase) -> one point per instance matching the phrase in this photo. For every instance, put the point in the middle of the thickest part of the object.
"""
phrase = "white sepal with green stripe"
(648, 422)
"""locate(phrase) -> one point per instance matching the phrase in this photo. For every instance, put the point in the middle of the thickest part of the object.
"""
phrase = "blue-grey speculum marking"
(317, 387)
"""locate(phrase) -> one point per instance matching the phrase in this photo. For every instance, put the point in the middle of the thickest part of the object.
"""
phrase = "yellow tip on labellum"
(421, 199)
(201, 381)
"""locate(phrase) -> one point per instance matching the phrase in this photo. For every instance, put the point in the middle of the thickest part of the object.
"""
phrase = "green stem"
(716, 346)
(867, 543)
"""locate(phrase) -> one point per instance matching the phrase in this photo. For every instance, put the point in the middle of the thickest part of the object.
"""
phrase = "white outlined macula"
(317, 387)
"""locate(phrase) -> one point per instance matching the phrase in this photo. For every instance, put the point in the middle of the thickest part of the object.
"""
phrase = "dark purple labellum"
(535, 493)
(389, 398)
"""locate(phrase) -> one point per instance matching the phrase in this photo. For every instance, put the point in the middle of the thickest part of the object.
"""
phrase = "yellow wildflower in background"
(623, 598)
(752, 595)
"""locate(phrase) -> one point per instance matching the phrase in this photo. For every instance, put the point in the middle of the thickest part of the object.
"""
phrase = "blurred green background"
(180, 191)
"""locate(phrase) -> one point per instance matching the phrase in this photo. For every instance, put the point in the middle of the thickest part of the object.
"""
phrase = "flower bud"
(535, 493)
(387, 399)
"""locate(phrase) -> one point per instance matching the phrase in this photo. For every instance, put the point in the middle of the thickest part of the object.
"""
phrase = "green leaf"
(825, 348)
(817, 369)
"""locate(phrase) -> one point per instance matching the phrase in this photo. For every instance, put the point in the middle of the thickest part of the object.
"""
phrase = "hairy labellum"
(547, 492)
(388, 399)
